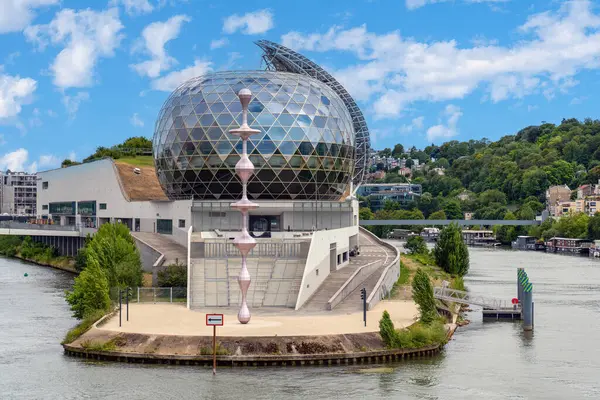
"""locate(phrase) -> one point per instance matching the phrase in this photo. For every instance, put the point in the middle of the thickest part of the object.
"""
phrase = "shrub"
(451, 252)
(82, 327)
(423, 296)
(416, 245)
(387, 330)
(90, 293)
(174, 275)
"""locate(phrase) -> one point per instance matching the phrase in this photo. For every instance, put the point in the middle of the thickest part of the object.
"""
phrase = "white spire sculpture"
(244, 168)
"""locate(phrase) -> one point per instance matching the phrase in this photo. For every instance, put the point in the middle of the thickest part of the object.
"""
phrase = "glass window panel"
(286, 119)
(293, 108)
(207, 120)
(201, 108)
(287, 147)
(266, 147)
(223, 147)
(274, 107)
(225, 119)
(255, 107)
(303, 121)
(266, 119)
(197, 134)
(215, 133)
(276, 133)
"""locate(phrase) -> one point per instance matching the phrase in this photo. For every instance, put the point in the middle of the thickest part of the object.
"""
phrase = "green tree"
(113, 250)
(416, 245)
(506, 234)
(451, 252)
(365, 213)
(572, 226)
(438, 215)
(452, 210)
(385, 152)
(398, 150)
(174, 275)
(90, 292)
(422, 291)
(594, 227)
(387, 330)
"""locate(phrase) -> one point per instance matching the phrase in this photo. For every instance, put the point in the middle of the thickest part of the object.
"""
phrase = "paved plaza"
(175, 319)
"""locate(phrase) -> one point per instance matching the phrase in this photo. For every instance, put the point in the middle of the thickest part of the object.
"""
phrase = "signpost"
(214, 320)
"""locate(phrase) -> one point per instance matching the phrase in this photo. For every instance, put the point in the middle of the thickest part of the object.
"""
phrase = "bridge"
(461, 222)
(458, 296)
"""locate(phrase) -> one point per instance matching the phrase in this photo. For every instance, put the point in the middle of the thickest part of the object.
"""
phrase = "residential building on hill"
(18, 193)
(554, 196)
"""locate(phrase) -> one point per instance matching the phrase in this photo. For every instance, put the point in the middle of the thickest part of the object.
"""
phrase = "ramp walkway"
(170, 249)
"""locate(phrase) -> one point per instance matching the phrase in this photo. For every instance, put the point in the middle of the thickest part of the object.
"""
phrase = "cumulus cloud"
(251, 23)
(16, 15)
(48, 160)
(448, 129)
(16, 161)
(414, 4)
(72, 103)
(394, 71)
(415, 125)
(153, 40)
(134, 7)
(172, 80)
(14, 93)
(87, 36)
(136, 120)
(218, 43)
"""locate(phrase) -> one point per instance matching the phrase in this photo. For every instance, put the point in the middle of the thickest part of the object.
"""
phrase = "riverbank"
(63, 263)
(174, 334)
(24, 248)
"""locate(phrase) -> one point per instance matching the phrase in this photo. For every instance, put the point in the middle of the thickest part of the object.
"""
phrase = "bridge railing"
(458, 296)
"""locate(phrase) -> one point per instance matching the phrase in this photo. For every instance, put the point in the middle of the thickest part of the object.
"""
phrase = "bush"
(416, 245)
(90, 293)
(423, 296)
(458, 283)
(416, 336)
(451, 252)
(174, 275)
(386, 329)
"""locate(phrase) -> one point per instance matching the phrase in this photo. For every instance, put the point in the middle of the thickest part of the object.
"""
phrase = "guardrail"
(390, 275)
(154, 295)
(358, 277)
(41, 227)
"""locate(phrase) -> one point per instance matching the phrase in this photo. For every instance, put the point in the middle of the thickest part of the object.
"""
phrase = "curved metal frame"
(280, 58)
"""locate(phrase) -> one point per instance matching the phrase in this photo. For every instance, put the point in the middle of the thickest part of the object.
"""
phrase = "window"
(317, 271)
(45, 185)
(103, 206)
(45, 207)
(182, 223)
(216, 214)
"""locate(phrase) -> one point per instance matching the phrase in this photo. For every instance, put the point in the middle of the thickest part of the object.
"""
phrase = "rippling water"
(560, 360)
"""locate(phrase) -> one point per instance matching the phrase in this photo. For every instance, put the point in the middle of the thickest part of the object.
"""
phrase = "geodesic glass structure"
(306, 148)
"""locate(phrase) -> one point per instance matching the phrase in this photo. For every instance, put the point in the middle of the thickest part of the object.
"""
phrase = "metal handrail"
(459, 296)
(389, 276)
(358, 277)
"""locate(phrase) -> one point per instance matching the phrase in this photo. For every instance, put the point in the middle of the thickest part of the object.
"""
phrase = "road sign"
(214, 319)
(515, 301)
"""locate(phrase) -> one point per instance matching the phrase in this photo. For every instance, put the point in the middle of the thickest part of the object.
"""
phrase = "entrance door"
(164, 226)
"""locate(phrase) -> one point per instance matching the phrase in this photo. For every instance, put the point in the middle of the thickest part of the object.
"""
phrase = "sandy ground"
(175, 319)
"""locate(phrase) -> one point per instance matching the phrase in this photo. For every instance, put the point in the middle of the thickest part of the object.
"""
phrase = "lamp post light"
(244, 168)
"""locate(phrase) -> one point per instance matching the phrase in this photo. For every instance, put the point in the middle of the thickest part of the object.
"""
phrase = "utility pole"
(363, 297)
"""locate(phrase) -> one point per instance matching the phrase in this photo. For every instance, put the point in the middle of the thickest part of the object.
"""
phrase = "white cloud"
(452, 114)
(136, 121)
(14, 93)
(87, 35)
(154, 38)
(72, 156)
(35, 120)
(52, 113)
(395, 72)
(415, 125)
(577, 100)
(218, 43)
(16, 15)
(48, 161)
(413, 4)
(2, 140)
(251, 23)
(171, 81)
(15, 161)
(72, 103)
(134, 7)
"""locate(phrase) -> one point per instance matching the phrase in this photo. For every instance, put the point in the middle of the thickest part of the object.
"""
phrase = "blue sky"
(74, 77)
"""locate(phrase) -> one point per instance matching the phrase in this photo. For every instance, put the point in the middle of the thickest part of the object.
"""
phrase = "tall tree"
(451, 252)
(398, 150)
(90, 292)
(594, 227)
(423, 296)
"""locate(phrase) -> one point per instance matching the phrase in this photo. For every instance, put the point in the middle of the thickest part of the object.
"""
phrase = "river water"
(491, 360)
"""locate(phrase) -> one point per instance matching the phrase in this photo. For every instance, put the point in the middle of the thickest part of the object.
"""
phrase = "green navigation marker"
(26, 274)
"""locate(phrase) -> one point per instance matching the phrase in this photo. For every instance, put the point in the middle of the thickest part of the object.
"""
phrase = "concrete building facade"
(18, 191)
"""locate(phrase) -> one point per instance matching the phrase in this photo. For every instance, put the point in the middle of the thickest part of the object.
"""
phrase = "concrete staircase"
(332, 283)
(353, 301)
(275, 282)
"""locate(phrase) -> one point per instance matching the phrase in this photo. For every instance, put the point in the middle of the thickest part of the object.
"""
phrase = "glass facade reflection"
(306, 148)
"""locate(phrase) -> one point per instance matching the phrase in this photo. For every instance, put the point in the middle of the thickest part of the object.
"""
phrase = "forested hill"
(520, 165)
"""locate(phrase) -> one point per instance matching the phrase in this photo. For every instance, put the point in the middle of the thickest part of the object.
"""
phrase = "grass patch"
(82, 327)
(458, 283)
(416, 336)
(110, 345)
(138, 161)
(208, 351)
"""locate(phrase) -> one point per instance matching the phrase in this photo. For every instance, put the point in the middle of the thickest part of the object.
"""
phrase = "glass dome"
(306, 148)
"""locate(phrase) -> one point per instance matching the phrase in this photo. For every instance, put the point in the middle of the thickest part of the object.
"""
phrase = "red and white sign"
(214, 319)
(515, 300)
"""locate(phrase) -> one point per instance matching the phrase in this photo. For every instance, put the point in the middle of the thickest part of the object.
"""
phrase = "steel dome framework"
(280, 58)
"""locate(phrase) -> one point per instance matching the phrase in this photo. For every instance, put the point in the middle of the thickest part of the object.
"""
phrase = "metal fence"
(152, 295)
